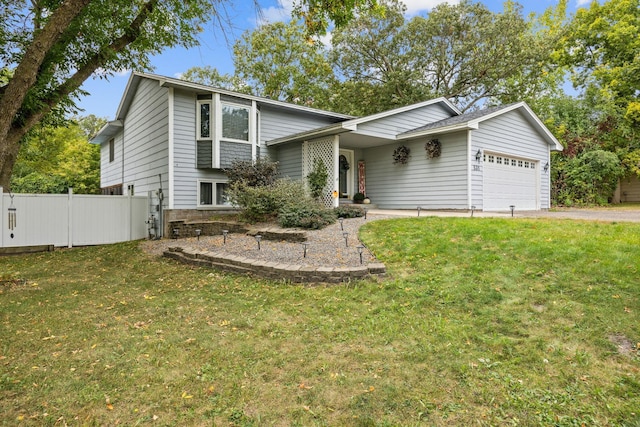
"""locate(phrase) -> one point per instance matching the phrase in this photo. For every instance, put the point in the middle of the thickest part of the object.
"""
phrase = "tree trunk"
(26, 75)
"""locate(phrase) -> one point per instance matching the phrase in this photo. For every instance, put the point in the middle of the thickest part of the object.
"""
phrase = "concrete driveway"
(609, 214)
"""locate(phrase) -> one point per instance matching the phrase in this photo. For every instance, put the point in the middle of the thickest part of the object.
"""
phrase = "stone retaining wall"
(207, 228)
(214, 228)
(273, 270)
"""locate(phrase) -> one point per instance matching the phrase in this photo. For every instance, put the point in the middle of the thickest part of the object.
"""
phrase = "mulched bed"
(326, 247)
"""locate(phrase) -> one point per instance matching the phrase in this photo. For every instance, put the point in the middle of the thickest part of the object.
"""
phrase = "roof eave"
(336, 129)
(438, 130)
(107, 132)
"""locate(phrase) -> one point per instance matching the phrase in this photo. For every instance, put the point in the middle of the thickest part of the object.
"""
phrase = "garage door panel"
(509, 181)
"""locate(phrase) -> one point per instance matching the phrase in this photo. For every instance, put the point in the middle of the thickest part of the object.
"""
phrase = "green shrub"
(309, 215)
(358, 198)
(347, 211)
(586, 179)
(262, 172)
(317, 179)
(263, 203)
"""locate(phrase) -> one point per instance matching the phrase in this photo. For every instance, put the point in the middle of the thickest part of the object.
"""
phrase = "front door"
(345, 169)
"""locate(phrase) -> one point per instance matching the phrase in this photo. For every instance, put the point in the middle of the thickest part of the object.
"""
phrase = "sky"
(215, 47)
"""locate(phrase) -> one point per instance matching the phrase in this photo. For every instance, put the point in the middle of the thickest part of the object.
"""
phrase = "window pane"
(221, 194)
(235, 123)
(206, 193)
(205, 120)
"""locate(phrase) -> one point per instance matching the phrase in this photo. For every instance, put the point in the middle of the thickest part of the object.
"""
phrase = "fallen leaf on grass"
(303, 386)
(186, 396)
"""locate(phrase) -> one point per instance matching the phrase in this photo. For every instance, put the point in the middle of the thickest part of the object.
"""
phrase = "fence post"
(2, 217)
(130, 216)
(70, 218)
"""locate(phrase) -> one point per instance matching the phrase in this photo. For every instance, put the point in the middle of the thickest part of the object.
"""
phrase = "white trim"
(250, 122)
(199, 104)
(437, 131)
(256, 126)
(470, 160)
(336, 172)
(217, 131)
(214, 183)
(350, 155)
(171, 148)
(404, 109)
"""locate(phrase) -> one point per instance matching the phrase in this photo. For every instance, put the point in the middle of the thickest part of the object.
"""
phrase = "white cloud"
(416, 6)
(281, 12)
(580, 3)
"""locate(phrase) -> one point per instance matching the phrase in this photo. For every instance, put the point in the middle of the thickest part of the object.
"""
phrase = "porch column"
(336, 170)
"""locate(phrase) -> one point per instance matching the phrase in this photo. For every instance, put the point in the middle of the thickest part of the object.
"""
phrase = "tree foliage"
(52, 159)
(52, 47)
(280, 62)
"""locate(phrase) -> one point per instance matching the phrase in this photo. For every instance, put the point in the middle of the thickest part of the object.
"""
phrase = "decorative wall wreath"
(433, 148)
(401, 155)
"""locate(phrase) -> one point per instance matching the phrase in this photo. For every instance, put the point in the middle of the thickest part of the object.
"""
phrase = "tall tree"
(281, 62)
(210, 76)
(54, 46)
(602, 50)
(468, 53)
(52, 159)
(370, 56)
(461, 51)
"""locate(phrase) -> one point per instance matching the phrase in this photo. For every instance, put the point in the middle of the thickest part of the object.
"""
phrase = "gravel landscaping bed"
(325, 247)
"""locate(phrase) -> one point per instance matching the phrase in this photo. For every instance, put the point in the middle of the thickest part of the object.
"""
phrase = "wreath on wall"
(401, 155)
(433, 148)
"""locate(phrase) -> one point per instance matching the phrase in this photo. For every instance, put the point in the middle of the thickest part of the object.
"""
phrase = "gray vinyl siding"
(146, 140)
(230, 151)
(278, 123)
(185, 173)
(111, 172)
(289, 157)
(390, 126)
(511, 134)
(438, 183)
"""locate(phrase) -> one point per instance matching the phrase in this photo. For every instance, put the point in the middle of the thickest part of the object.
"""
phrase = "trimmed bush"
(263, 203)
(310, 215)
(348, 211)
(262, 172)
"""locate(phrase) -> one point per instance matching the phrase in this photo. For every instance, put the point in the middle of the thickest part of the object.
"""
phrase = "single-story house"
(172, 139)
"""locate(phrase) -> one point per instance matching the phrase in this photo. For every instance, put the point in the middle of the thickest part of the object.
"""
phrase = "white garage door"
(510, 181)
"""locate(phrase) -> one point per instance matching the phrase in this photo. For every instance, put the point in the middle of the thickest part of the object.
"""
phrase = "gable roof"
(352, 124)
(473, 119)
(111, 129)
(135, 78)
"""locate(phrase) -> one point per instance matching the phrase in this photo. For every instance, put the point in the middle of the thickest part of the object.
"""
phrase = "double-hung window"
(212, 193)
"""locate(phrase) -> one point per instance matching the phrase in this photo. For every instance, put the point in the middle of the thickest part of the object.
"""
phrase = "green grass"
(479, 322)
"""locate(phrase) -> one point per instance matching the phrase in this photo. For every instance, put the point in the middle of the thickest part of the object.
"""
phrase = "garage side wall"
(438, 183)
(510, 134)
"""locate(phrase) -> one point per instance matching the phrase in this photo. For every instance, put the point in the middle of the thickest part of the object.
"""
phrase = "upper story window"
(235, 122)
(226, 130)
(204, 119)
(112, 150)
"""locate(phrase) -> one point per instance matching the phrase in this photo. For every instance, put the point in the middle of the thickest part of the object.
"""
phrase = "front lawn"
(479, 322)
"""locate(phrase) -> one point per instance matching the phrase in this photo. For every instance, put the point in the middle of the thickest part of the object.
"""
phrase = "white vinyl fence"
(71, 219)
